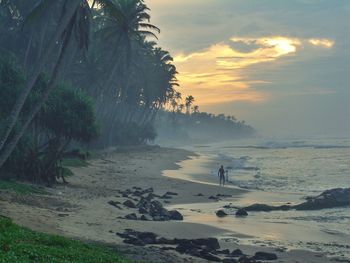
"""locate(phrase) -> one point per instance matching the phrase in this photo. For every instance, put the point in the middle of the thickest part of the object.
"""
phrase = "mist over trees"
(78, 71)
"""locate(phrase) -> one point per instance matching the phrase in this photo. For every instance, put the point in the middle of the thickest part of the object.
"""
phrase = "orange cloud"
(217, 74)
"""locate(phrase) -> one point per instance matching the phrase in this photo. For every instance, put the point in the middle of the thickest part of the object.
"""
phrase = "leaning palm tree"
(74, 22)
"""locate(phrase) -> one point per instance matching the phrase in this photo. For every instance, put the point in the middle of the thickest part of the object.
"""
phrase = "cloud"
(220, 73)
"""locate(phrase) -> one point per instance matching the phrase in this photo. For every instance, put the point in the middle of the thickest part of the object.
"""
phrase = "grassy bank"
(18, 244)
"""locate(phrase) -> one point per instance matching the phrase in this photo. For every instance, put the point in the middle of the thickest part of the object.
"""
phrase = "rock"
(147, 237)
(260, 208)
(146, 218)
(200, 194)
(214, 198)
(328, 199)
(176, 215)
(221, 213)
(115, 204)
(209, 243)
(241, 213)
(143, 210)
(223, 252)
(265, 256)
(245, 259)
(132, 216)
(134, 241)
(208, 256)
(237, 253)
(229, 260)
(129, 204)
(170, 193)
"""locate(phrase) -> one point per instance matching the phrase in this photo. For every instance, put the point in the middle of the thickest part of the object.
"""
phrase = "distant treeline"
(198, 127)
(78, 72)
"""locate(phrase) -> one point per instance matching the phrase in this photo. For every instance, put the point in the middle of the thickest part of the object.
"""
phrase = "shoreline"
(81, 210)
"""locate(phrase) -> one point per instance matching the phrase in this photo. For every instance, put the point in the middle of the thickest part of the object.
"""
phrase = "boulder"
(132, 216)
(221, 213)
(223, 252)
(208, 256)
(176, 215)
(229, 260)
(237, 253)
(129, 204)
(241, 213)
(265, 256)
(170, 193)
(146, 218)
(115, 204)
(143, 210)
(328, 199)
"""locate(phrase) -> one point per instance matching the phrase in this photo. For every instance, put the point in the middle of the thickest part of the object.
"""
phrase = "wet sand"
(81, 210)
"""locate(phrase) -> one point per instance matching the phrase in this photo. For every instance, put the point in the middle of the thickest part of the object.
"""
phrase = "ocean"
(276, 171)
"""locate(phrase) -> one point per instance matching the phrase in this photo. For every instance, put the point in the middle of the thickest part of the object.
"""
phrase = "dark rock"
(208, 256)
(125, 195)
(134, 241)
(160, 218)
(165, 241)
(265, 256)
(229, 260)
(176, 215)
(245, 259)
(132, 216)
(237, 253)
(328, 199)
(147, 237)
(224, 252)
(143, 210)
(210, 243)
(129, 204)
(260, 208)
(221, 213)
(146, 218)
(214, 198)
(200, 194)
(170, 193)
(115, 204)
(241, 213)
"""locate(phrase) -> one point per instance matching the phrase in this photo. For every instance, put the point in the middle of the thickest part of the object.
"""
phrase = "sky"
(281, 65)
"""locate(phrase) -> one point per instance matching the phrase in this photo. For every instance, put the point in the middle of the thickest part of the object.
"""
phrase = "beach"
(81, 209)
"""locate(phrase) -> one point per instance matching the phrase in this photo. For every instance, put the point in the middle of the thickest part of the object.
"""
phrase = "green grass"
(19, 188)
(18, 244)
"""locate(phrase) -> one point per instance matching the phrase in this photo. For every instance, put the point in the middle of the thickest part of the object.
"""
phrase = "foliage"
(19, 244)
(20, 188)
(67, 116)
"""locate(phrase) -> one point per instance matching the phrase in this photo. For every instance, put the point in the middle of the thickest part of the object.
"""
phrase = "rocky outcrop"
(221, 213)
(328, 199)
(205, 248)
(241, 213)
(145, 204)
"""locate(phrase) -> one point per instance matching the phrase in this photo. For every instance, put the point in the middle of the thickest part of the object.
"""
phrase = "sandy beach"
(81, 209)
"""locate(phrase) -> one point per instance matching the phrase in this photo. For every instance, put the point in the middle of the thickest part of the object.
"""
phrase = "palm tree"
(188, 103)
(74, 21)
(125, 22)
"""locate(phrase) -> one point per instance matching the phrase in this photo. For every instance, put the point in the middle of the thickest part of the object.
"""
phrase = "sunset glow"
(218, 73)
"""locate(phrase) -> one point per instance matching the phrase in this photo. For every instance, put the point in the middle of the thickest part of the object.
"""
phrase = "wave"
(286, 145)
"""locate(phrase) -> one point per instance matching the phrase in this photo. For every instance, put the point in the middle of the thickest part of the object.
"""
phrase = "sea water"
(277, 171)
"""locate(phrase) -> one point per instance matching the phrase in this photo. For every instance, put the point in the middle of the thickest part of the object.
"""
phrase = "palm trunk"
(17, 108)
(4, 155)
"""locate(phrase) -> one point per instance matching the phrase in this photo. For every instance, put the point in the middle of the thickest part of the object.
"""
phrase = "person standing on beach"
(221, 175)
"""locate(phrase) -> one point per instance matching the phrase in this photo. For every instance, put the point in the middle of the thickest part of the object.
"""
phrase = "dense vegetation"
(76, 72)
(18, 244)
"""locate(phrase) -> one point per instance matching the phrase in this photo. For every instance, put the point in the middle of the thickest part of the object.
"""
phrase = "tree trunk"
(6, 152)
(17, 108)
